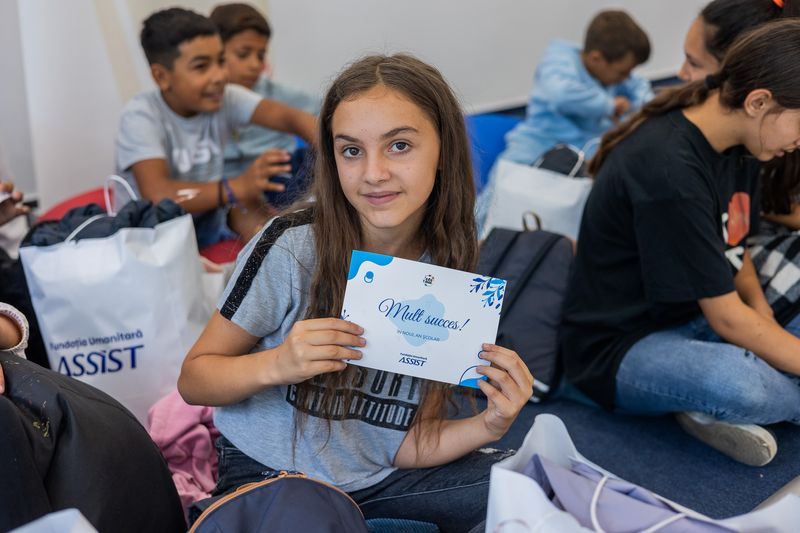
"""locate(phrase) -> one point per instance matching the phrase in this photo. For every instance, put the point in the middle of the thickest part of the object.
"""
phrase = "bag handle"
(82, 225)
(596, 500)
(107, 194)
(581, 156)
(109, 209)
(591, 143)
(526, 216)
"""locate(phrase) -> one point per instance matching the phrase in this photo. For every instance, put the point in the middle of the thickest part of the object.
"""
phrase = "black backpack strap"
(503, 239)
(551, 239)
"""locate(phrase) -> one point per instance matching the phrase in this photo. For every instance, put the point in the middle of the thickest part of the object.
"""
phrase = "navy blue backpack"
(288, 502)
(536, 265)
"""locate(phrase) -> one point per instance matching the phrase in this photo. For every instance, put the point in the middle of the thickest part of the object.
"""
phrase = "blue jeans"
(212, 227)
(690, 368)
(452, 496)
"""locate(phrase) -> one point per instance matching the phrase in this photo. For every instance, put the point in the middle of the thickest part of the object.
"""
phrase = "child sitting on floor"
(246, 37)
(170, 141)
(579, 93)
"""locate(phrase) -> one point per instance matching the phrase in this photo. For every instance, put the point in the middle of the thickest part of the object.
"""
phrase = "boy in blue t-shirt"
(579, 93)
(171, 140)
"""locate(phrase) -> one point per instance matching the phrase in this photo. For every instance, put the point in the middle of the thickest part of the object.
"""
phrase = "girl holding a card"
(394, 177)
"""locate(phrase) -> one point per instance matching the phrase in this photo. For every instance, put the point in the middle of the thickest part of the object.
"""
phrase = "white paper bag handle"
(578, 152)
(596, 522)
(82, 225)
(591, 143)
(107, 195)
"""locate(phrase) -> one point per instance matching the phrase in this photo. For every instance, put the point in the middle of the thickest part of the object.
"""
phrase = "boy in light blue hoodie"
(579, 93)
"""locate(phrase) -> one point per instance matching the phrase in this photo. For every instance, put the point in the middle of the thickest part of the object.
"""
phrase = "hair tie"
(778, 3)
(712, 82)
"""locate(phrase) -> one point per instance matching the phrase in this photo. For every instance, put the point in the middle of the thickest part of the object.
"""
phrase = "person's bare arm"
(741, 325)
(219, 370)
(749, 289)
(277, 116)
(790, 220)
(155, 184)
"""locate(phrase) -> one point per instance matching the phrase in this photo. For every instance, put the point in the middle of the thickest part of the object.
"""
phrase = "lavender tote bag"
(548, 487)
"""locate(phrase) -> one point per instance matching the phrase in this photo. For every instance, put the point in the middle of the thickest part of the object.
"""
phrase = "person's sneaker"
(747, 443)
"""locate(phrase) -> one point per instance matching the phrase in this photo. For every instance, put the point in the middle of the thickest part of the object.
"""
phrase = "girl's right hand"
(317, 346)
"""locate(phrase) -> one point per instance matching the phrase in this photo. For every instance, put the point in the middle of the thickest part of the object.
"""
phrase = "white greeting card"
(422, 320)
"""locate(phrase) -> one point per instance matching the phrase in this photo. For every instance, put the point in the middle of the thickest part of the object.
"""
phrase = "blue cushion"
(486, 133)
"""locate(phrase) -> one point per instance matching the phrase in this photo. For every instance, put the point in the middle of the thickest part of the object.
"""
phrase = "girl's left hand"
(509, 387)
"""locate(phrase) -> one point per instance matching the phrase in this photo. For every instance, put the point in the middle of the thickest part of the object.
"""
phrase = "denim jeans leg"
(236, 468)
(452, 496)
(679, 370)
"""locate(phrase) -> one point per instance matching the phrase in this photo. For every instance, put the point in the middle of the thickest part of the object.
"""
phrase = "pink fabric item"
(186, 434)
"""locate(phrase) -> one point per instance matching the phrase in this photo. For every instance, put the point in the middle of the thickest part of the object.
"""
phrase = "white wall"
(72, 96)
(487, 49)
(15, 133)
(82, 62)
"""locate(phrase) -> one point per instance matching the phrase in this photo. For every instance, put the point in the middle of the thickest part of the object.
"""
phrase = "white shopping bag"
(66, 521)
(121, 312)
(518, 504)
(557, 199)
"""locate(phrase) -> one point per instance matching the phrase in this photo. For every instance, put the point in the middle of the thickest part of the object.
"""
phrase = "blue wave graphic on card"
(359, 257)
(474, 378)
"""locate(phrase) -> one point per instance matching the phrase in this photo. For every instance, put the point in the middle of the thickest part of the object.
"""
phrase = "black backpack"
(288, 502)
(536, 265)
(67, 444)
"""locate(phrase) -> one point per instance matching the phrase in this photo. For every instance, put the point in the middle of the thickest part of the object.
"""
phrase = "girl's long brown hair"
(767, 57)
(447, 231)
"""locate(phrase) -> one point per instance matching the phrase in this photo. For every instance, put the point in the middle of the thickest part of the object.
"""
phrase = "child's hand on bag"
(250, 186)
(509, 387)
(317, 346)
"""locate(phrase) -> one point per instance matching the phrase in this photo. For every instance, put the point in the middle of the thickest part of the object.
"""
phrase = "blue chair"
(487, 139)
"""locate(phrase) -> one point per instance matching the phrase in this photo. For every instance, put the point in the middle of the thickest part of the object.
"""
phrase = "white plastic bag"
(121, 312)
(518, 504)
(557, 199)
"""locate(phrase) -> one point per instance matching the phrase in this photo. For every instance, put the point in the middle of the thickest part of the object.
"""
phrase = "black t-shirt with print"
(664, 226)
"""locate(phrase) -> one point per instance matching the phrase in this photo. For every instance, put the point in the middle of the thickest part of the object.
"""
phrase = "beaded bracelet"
(228, 191)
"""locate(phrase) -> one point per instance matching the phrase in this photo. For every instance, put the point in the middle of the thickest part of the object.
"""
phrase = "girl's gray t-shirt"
(267, 294)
